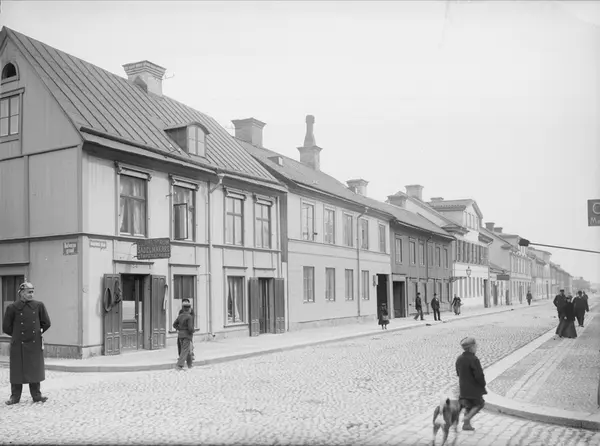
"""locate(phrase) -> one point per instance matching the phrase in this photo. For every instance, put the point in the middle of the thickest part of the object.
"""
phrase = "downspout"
(358, 272)
(427, 269)
(220, 177)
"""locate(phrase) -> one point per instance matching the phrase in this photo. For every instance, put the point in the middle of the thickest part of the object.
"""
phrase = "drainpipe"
(427, 268)
(358, 258)
(220, 177)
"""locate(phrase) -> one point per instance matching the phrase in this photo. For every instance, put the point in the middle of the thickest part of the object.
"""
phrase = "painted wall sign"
(593, 212)
(69, 248)
(101, 244)
(502, 277)
(154, 248)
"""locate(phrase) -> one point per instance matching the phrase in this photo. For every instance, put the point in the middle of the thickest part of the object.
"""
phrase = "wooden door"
(111, 306)
(279, 305)
(130, 326)
(158, 312)
(254, 306)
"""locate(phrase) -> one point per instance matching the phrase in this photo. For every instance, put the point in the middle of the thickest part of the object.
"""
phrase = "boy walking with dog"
(471, 381)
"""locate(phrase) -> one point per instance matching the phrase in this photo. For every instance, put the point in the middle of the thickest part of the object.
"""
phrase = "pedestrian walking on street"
(456, 302)
(559, 302)
(580, 305)
(25, 321)
(184, 324)
(435, 306)
(529, 297)
(183, 302)
(384, 317)
(471, 380)
(419, 307)
(566, 326)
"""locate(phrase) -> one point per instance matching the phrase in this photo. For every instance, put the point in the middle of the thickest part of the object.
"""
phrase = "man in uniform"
(559, 302)
(25, 321)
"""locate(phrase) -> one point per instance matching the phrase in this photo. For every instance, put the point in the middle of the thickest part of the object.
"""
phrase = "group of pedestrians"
(569, 309)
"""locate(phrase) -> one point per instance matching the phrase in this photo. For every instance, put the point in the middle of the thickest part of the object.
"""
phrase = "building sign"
(69, 248)
(101, 244)
(154, 248)
(593, 212)
(502, 277)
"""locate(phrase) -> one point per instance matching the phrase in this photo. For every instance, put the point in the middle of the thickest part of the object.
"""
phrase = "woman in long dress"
(566, 326)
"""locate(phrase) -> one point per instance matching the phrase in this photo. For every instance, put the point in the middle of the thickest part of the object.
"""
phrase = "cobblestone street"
(374, 390)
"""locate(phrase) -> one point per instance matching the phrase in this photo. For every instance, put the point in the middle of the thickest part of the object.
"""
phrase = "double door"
(266, 299)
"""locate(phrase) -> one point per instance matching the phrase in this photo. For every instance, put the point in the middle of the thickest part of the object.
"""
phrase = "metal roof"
(96, 99)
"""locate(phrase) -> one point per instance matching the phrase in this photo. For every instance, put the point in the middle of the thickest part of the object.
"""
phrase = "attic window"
(196, 141)
(9, 72)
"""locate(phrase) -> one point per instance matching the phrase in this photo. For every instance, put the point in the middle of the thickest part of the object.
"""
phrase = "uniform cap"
(26, 286)
(467, 342)
(186, 304)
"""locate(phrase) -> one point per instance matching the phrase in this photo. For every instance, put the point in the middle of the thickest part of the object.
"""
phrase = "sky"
(494, 101)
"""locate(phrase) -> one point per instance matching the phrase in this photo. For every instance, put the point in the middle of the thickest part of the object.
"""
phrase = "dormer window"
(9, 72)
(196, 141)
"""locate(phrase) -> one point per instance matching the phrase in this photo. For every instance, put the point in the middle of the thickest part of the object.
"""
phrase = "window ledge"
(308, 302)
(9, 138)
(235, 325)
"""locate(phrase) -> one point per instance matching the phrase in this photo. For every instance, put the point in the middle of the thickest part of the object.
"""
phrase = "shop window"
(236, 309)
(183, 288)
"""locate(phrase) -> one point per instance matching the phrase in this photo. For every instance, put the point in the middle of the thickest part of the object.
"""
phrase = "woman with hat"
(566, 326)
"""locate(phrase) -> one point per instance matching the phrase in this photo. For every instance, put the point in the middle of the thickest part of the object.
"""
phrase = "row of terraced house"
(117, 202)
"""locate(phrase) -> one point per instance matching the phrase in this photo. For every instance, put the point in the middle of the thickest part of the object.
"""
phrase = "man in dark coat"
(471, 381)
(184, 324)
(184, 301)
(559, 302)
(435, 306)
(529, 297)
(25, 321)
(580, 304)
(419, 307)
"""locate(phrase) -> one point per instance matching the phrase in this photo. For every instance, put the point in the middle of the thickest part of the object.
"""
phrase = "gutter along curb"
(170, 364)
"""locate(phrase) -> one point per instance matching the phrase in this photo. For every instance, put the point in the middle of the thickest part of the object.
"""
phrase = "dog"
(445, 416)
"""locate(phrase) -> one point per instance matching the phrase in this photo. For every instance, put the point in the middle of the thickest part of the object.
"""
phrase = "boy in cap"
(184, 324)
(471, 381)
(185, 301)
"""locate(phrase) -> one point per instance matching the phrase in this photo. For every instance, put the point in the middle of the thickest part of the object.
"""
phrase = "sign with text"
(100, 244)
(154, 248)
(69, 248)
(593, 212)
(502, 277)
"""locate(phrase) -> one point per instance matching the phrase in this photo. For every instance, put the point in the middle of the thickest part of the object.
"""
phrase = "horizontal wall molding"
(42, 152)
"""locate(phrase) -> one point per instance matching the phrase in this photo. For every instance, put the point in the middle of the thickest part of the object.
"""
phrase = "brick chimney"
(147, 75)
(358, 186)
(489, 226)
(498, 230)
(310, 152)
(398, 199)
(249, 130)
(415, 191)
(436, 199)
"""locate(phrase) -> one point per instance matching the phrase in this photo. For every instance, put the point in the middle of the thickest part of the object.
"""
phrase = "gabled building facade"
(540, 273)
(117, 202)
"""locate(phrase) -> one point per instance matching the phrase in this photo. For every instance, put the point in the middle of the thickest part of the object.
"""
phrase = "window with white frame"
(430, 259)
(412, 252)
(329, 226)
(10, 108)
(236, 309)
(382, 238)
(183, 288)
(9, 289)
(330, 284)
(309, 284)
(348, 230)
(262, 225)
(349, 284)
(364, 233)
(398, 250)
(308, 222)
(184, 213)
(132, 205)
(446, 258)
(422, 254)
(234, 226)
(196, 140)
(365, 286)
(438, 256)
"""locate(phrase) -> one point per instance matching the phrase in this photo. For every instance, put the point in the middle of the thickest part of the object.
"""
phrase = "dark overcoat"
(25, 322)
(471, 379)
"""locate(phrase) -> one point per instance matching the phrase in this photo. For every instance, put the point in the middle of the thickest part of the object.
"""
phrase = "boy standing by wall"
(184, 324)
(471, 381)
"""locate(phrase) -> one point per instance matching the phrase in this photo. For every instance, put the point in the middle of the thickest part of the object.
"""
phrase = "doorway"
(382, 291)
(399, 292)
(265, 306)
(134, 312)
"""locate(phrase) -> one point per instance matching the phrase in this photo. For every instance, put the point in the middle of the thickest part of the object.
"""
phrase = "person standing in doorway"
(471, 380)
(25, 321)
(580, 306)
(184, 324)
(559, 302)
(529, 297)
(185, 301)
(435, 306)
(419, 307)
(456, 302)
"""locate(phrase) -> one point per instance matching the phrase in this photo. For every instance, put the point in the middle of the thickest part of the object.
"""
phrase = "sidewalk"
(238, 348)
(552, 380)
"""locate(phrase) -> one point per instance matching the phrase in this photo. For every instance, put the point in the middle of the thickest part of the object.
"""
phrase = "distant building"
(540, 273)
